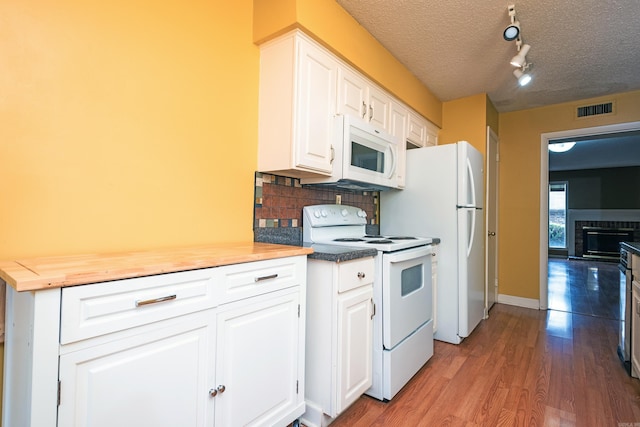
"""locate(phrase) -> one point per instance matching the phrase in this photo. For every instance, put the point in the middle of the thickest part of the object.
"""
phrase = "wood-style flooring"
(523, 367)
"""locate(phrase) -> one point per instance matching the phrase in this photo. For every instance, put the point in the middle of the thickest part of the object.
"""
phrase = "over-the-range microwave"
(366, 158)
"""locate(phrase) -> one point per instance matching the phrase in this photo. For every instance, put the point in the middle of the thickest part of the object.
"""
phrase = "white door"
(355, 334)
(491, 215)
(257, 360)
(406, 293)
(159, 377)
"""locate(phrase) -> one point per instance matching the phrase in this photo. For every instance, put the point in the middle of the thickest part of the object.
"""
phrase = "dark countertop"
(336, 253)
(634, 247)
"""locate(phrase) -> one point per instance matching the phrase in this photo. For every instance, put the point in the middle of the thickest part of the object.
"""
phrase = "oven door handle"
(408, 254)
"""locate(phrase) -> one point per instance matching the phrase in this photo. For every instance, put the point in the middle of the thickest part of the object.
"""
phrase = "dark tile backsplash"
(278, 203)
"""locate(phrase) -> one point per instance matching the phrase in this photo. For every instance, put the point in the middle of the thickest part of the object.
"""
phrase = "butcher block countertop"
(60, 271)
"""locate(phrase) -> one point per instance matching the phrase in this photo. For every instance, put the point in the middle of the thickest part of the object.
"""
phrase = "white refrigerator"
(443, 198)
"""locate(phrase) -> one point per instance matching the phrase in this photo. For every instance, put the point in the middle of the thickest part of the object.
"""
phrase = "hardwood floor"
(520, 367)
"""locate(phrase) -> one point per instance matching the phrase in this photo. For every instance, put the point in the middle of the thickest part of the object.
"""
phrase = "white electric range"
(403, 327)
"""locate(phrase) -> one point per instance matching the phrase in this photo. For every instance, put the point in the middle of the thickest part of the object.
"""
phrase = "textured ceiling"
(579, 48)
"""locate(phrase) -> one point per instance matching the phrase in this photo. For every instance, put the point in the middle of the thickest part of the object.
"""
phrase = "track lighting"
(523, 78)
(512, 31)
(520, 59)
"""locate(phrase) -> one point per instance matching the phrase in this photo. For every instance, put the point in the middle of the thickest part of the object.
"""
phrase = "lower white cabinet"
(213, 347)
(340, 332)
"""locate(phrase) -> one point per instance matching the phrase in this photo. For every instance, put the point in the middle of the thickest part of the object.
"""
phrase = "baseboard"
(519, 301)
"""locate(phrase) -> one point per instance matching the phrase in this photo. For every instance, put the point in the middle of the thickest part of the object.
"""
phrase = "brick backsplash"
(279, 201)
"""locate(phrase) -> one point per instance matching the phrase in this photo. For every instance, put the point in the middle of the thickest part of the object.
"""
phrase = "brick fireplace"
(599, 239)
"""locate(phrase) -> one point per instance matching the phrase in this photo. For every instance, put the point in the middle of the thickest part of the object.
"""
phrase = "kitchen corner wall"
(279, 201)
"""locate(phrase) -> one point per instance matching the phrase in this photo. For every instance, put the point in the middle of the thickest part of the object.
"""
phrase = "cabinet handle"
(155, 300)
(373, 311)
(361, 275)
(214, 391)
(364, 109)
(370, 112)
(271, 276)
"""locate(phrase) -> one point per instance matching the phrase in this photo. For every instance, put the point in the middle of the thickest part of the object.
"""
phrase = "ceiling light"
(520, 59)
(523, 78)
(561, 147)
(512, 31)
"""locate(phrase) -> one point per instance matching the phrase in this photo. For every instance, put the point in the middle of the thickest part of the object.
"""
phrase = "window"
(558, 215)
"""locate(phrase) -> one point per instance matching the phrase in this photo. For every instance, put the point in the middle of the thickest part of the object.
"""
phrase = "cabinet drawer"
(92, 310)
(240, 281)
(356, 273)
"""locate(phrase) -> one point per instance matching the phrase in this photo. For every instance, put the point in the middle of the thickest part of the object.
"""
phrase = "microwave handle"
(394, 161)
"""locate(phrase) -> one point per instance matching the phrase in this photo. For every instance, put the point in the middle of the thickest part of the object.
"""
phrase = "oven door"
(406, 293)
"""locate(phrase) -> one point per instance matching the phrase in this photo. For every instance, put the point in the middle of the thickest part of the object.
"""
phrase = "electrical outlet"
(338, 199)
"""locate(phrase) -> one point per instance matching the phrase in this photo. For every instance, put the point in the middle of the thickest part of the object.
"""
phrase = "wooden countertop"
(60, 271)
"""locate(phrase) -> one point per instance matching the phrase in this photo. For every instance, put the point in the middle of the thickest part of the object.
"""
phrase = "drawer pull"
(361, 275)
(155, 300)
(271, 276)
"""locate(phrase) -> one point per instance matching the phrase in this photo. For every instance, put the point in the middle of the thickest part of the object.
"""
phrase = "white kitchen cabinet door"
(297, 103)
(313, 129)
(359, 97)
(158, 378)
(260, 372)
(355, 334)
(398, 116)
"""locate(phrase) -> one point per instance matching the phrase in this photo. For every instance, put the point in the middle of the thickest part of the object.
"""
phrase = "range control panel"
(332, 215)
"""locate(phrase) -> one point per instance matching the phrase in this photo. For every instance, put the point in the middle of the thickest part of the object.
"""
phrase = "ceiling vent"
(594, 110)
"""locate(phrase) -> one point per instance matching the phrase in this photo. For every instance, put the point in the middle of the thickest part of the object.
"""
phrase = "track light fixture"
(523, 78)
(520, 59)
(511, 33)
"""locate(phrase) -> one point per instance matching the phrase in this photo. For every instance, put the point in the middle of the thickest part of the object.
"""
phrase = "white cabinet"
(421, 132)
(258, 372)
(360, 98)
(340, 320)
(297, 102)
(218, 346)
(398, 119)
(434, 284)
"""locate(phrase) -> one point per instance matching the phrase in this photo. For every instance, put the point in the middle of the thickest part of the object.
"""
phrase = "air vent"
(594, 110)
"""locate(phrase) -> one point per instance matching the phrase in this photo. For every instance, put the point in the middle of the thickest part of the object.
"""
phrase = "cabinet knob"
(213, 392)
(361, 275)
(221, 388)
(492, 233)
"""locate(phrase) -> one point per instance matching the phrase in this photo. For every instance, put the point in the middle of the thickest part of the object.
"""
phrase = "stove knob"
(316, 214)
(323, 213)
(362, 214)
(344, 212)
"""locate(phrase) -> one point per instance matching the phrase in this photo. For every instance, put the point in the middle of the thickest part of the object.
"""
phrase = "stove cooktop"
(345, 225)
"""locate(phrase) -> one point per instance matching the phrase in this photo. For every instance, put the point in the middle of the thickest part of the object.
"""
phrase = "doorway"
(544, 186)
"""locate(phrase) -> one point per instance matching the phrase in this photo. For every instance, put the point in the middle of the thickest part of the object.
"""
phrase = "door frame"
(544, 188)
(492, 168)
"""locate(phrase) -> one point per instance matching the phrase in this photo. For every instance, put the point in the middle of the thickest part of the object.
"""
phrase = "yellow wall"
(465, 119)
(332, 26)
(519, 212)
(126, 125)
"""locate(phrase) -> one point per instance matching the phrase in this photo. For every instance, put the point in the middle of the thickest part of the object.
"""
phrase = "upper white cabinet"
(360, 98)
(398, 121)
(297, 102)
(420, 131)
(303, 87)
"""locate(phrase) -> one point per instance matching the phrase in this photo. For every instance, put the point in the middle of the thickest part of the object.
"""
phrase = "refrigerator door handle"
(473, 231)
(472, 182)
